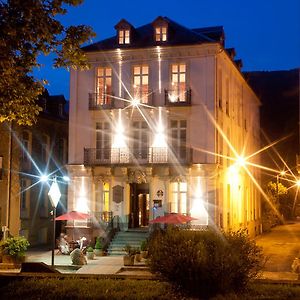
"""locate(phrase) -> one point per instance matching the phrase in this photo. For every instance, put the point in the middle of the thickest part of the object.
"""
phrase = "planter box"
(90, 255)
(99, 252)
(144, 254)
(128, 260)
(15, 261)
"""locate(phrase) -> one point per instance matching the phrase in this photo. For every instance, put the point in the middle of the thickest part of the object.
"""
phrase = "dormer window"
(125, 32)
(161, 34)
(124, 36)
(160, 29)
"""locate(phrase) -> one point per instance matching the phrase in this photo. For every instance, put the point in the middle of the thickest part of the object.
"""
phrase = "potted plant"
(128, 259)
(98, 247)
(13, 250)
(138, 256)
(144, 249)
(90, 253)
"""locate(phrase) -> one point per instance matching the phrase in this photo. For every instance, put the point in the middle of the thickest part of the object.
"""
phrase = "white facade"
(140, 156)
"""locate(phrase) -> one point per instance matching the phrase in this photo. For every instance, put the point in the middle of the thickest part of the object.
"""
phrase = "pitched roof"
(143, 37)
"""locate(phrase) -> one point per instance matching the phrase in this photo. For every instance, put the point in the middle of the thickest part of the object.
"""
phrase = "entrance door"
(139, 205)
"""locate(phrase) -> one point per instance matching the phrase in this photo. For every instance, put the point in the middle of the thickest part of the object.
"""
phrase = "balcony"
(176, 98)
(144, 97)
(100, 101)
(141, 156)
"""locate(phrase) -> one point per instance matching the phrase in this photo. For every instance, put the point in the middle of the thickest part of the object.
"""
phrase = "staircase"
(133, 237)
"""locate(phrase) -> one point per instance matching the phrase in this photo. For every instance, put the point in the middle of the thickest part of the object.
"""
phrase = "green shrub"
(205, 263)
(144, 246)
(88, 288)
(90, 249)
(14, 246)
(98, 244)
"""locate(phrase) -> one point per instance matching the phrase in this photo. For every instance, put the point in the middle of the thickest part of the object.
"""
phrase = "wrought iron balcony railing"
(178, 98)
(99, 101)
(145, 97)
(149, 155)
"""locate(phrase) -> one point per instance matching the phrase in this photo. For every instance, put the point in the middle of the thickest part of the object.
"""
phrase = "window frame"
(124, 36)
(103, 97)
(180, 93)
(138, 90)
(159, 35)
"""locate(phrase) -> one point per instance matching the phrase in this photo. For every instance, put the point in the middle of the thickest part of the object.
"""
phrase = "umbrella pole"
(73, 229)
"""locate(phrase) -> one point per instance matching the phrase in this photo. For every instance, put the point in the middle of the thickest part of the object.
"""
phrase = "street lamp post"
(54, 196)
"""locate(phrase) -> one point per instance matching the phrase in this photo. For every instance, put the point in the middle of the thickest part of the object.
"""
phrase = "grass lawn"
(76, 288)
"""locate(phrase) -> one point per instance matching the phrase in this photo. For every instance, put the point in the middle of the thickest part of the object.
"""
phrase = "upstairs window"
(141, 83)
(178, 82)
(26, 147)
(124, 36)
(103, 85)
(45, 142)
(161, 34)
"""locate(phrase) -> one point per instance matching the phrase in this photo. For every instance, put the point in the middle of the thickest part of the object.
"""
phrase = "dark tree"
(28, 29)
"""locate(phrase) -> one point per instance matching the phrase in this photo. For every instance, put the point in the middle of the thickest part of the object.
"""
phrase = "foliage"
(90, 249)
(98, 244)
(14, 246)
(89, 288)
(28, 30)
(144, 246)
(281, 205)
(131, 251)
(206, 262)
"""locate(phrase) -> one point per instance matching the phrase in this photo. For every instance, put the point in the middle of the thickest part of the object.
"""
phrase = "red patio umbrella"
(72, 216)
(173, 218)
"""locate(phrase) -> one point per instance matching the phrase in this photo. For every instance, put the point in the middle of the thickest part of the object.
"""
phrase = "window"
(140, 140)
(45, 147)
(103, 140)
(105, 196)
(220, 89)
(178, 82)
(141, 83)
(103, 85)
(24, 198)
(60, 109)
(227, 96)
(160, 34)
(178, 137)
(26, 149)
(178, 197)
(62, 151)
(124, 36)
(1, 167)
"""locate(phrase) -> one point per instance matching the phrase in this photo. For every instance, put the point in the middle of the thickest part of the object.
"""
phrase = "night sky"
(265, 33)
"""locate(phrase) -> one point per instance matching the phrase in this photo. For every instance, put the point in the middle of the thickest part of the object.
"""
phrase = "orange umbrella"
(72, 216)
(173, 218)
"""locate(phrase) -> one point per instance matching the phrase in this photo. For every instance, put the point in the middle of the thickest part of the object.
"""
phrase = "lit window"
(161, 34)
(141, 83)
(178, 197)
(105, 196)
(124, 36)
(103, 85)
(178, 82)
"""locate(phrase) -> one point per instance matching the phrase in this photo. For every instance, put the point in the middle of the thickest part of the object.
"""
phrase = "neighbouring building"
(164, 121)
(26, 154)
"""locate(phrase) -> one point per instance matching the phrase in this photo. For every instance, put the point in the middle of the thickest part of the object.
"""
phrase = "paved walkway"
(281, 246)
(104, 265)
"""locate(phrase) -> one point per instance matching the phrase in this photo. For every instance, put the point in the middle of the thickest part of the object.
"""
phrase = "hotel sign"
(118, 193)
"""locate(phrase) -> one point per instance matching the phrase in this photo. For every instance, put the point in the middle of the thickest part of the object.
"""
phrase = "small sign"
(118, 193)
(159, 193)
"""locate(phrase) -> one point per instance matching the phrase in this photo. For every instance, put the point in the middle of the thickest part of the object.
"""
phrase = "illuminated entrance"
(139, 205)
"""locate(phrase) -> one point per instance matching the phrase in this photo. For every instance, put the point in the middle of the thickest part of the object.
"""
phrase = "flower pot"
(138, 257)
(90, 255)
(144, 254)
(128, 260)
(99, 252)
(14, 260)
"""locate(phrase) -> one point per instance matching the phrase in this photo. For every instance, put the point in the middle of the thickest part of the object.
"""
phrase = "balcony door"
(178, 138)
(103, 141)
(140, 135)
